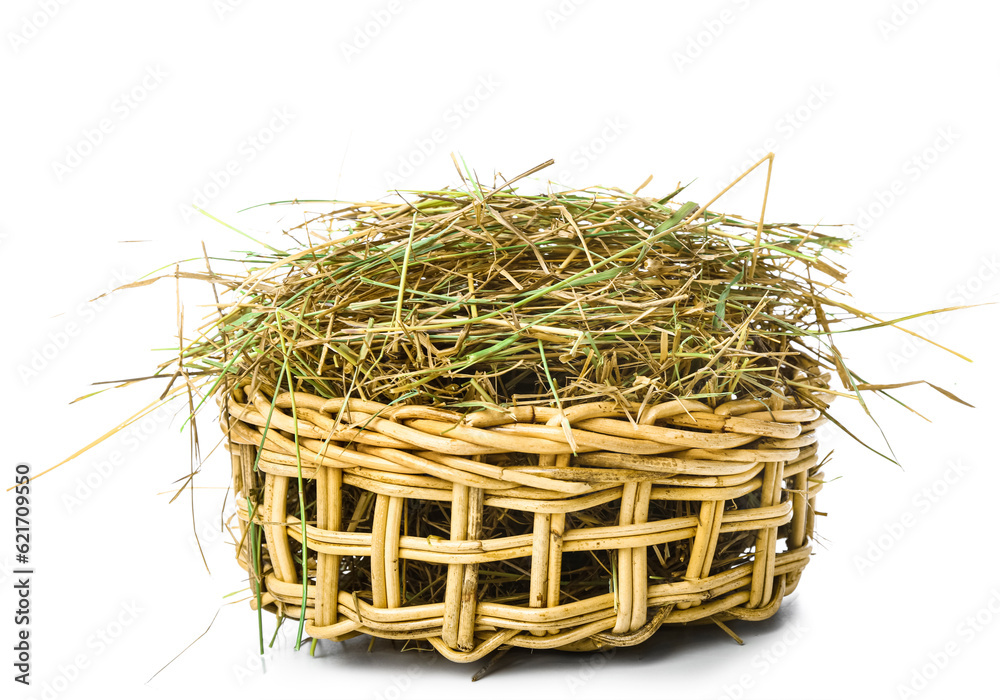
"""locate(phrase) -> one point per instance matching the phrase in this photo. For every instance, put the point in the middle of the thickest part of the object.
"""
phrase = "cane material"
(690, 513)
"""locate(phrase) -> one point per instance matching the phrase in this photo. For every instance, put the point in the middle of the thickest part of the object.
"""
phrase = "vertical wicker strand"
(640, 563)
(273, 516)
(540, 563)
(328, 505)
(236, 461)
(557, 526)
(624, 583)
(810, 513)
(470, 581)
(713, 538)
(797, 529)
(393, 522)
(249, 490)
(456, 572)
(640, 574)
(377, 559)
(700, 546)
(762, 582)
(800, 505)
(815, 483)
(248, 456)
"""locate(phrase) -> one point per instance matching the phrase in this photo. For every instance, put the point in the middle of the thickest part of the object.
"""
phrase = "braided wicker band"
(711, 512)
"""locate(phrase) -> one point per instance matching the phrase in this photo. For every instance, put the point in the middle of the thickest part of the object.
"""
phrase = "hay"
(475, 299)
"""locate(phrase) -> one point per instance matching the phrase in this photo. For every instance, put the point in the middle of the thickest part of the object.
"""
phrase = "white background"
(882, 113)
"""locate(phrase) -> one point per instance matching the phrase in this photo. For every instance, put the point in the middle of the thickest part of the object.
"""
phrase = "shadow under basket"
(533, 527)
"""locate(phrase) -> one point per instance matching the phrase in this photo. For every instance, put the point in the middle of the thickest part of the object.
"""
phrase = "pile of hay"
(482, 298)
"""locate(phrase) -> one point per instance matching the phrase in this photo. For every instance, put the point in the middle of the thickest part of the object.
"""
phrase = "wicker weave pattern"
(730, 484)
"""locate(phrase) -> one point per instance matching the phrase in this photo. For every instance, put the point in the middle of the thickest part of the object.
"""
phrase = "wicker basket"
(714, 513)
